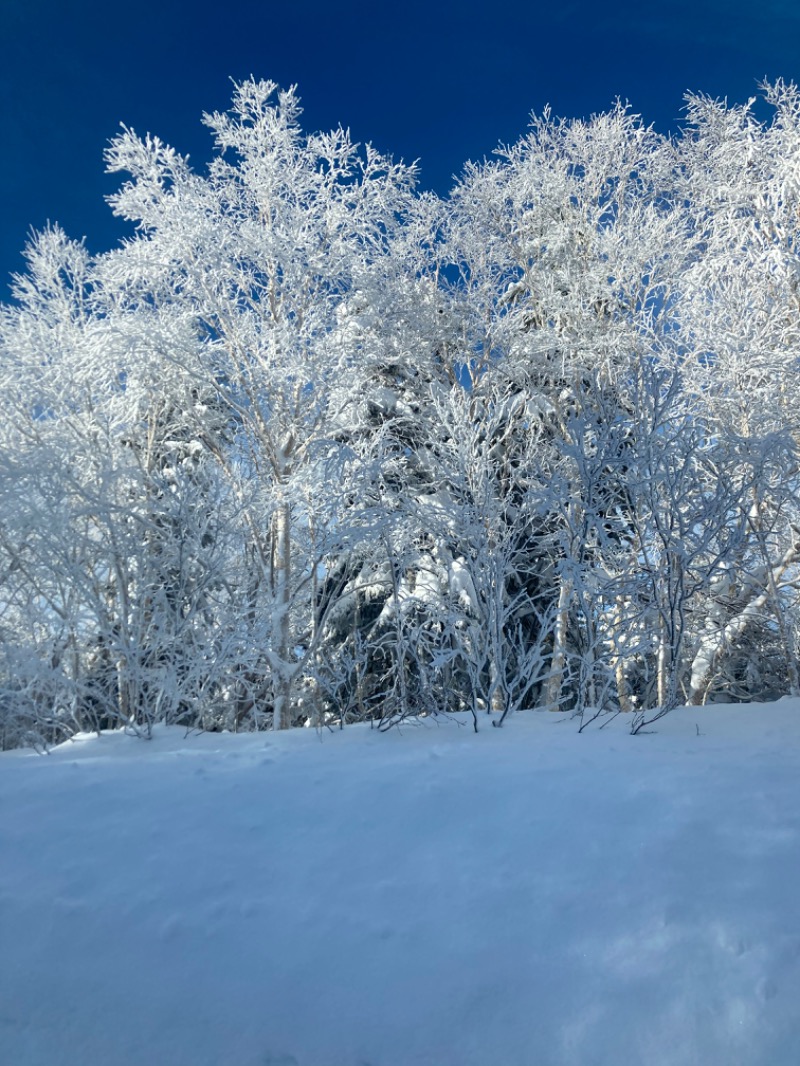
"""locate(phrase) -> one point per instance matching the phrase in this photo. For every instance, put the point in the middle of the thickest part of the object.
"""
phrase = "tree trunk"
(713, 646)
(664, 661)
(282, 560)
(623, 693)
(552, 692)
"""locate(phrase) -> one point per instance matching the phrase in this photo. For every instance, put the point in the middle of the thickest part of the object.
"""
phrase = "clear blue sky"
(436, 81)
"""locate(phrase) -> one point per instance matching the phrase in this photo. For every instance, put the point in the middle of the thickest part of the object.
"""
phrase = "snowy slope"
(524, 897)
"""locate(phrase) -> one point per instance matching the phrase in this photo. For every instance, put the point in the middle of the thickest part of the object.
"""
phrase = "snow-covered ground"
(524, 897)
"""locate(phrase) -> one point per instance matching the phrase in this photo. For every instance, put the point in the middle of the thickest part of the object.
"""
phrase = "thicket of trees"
(313, 447)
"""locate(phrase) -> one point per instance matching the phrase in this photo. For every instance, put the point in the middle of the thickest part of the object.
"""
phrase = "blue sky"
(436, 81)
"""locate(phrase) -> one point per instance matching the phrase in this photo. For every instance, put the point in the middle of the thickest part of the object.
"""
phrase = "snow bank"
(524, 897)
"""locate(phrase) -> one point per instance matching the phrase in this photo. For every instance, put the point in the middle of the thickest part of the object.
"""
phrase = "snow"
(524, 897)
(462, 587)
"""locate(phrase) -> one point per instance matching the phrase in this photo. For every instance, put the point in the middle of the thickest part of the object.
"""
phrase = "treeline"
(312, 447)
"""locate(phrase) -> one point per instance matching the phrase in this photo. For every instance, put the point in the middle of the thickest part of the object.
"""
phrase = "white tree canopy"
(314, 447)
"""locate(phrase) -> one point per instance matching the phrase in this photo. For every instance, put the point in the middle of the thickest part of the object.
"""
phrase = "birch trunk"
(623, 693)
(664, 662)
(555, 682)
(713, 646)
(282, 560)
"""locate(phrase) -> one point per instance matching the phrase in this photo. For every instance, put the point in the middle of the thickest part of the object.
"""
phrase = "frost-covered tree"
(259, 258)
(116, 518)
(569, 248)
(312, 447)
(741, 349)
